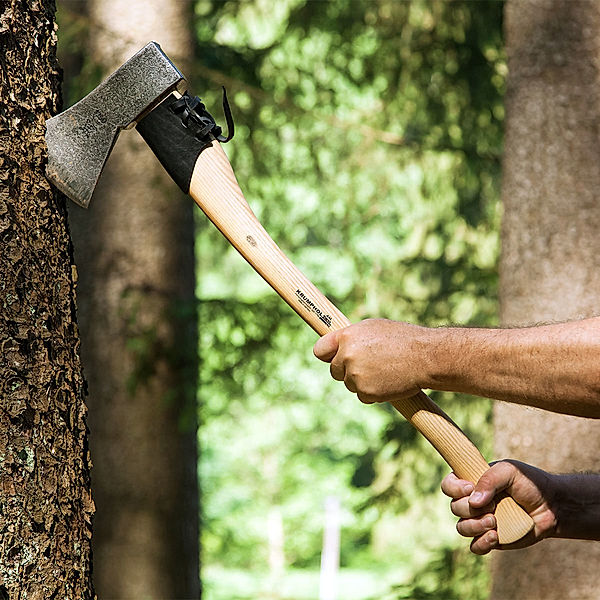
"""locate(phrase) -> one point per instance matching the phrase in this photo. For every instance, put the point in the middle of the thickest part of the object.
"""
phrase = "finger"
(326, 347)
(349, 383)
(454, 487)
(461, 508)
(495, 480)
(476, 527)
(485, 543)
(337, 369)
(367, 399)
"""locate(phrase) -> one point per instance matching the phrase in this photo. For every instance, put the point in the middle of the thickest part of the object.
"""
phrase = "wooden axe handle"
(215, 190)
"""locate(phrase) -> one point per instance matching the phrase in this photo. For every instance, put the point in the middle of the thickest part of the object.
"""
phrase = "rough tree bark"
(134, 250)
(550, 268)
(45, 500)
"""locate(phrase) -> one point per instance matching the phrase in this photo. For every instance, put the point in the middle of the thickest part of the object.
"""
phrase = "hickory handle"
(215, 189)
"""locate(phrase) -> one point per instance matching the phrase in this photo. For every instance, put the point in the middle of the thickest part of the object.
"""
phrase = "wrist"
(446, 347)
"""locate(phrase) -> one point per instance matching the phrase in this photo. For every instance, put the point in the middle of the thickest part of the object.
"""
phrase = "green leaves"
(369, 142)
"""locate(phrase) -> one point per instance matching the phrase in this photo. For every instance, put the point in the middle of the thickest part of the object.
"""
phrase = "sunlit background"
(368, 142)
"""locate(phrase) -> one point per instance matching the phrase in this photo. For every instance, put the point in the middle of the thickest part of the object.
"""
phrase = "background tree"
(549, 268)
(46, 506)
(134, 248)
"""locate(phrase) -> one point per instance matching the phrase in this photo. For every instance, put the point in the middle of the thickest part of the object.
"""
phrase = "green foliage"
(451, 575)
(81, 74)
(368, 142)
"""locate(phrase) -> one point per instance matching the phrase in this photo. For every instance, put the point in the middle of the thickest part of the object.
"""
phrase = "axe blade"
(80, 139)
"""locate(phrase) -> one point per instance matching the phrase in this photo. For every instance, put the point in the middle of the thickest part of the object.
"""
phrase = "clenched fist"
(378, 359)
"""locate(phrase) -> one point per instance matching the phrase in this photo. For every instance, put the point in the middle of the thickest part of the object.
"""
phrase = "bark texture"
(45, 501)
(550, 267)
(134, 249)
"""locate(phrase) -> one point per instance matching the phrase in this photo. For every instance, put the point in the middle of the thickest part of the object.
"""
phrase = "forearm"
(554, 367)
(576, 504)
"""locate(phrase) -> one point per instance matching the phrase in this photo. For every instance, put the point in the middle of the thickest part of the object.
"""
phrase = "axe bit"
(146, 91)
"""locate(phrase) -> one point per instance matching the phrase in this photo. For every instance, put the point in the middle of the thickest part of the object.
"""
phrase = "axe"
(147, 92)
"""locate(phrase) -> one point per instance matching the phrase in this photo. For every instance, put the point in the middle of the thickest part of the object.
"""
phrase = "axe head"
(80, 139)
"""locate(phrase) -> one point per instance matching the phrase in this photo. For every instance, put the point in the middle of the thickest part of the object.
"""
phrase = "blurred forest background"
(368, 142)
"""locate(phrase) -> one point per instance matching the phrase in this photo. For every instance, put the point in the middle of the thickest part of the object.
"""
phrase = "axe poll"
(147, 92)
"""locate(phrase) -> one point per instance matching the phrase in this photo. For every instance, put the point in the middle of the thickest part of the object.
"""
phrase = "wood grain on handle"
(216, 191)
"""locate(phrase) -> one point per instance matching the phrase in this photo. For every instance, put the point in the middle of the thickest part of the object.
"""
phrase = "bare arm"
(554, 367)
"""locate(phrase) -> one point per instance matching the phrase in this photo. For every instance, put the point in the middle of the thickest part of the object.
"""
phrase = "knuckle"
(485, 479)
(352, 372)
(365, 399)
(478, 548)
(455, 508)
(350, 384)
(365, 385)
(336, 372)
(344, 337)
(448, 488)
(462, 528)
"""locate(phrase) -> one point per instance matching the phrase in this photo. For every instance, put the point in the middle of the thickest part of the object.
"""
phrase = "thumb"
(326, 347)
(495, 480)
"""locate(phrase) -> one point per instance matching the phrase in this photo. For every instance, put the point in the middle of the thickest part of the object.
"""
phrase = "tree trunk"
(45, 500)
(551, 248)
(134, 248)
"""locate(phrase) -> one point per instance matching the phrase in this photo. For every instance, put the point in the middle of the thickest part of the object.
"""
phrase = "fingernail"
(468, 489)
(476, 497)
(489, 523)
(493, 538)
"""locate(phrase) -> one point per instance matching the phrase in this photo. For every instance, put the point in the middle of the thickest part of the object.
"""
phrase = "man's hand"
(377, 359)
(534, 489)
(553, 367)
